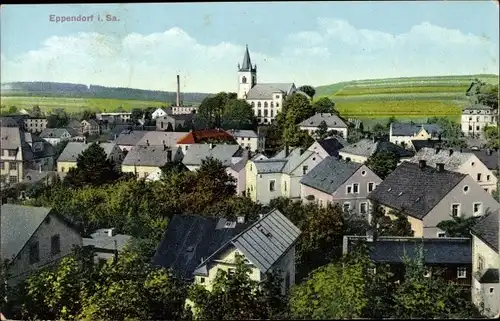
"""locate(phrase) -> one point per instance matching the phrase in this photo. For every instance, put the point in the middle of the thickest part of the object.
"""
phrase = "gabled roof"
(8, 122)
(129, 137)
(270, 165)
(158, 138)
(247, 63)
(490, 275)
(19, 223)
(105, 242)
(11, 138)
(435, 250)
(156, 156)
(490, 158)
(200, 136)
(58, 132)
(331, 120)
(266, 91)
(296, 158)
(332, 145)
(281, 164)
(409, 129)
(418, 144)
(223, 152)
(487, 229)
(242, 162)
(91, 122)
(74, 149)
(243, 133)
(330, 174)
(434, 156)
(368, 147)
(415, 190)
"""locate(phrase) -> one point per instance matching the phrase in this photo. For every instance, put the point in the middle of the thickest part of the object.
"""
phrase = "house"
(486, 264)
(183, 110)
(160, 112)
(17, 119)
(451, 256)
(280, 175)
(106, 243)
(205, 136)
(333, 122)
(328, 147)
(33, 237)
(249, 139)
(475, 118)
(35, 125)
(143, 160)
(237, 170)
(489, 157)
(69, 156)
(418, 144)
(196, 247)
(404, 133)
(56, 135)
(76, 125)
(362, 150)
(160, 138)
(90, 127)
(266, 99)
(342, 182)
(462, 162)
(20, 151)
(120, 117)
(129, 138)
(47, 178)
(8, 122)
(175, 122)
(227, 154)
(259, 156)
(476, 143)
(428, 195)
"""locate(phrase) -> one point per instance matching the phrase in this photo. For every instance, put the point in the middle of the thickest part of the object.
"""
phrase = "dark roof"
(488, 276)
(369, 147)
(180, 117)
(418, 144)
(409, 129)
(196, 137)
(490, 158)
(247, 63)
(8, 122)
(435, 250)
(332, 145)
(330, 174)
(202, 235)
(487, 229)
(130, 137)
(415, 190)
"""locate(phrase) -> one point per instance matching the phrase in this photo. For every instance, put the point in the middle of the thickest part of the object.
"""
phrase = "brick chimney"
(178, 100)
(422, 163)
(440, 167)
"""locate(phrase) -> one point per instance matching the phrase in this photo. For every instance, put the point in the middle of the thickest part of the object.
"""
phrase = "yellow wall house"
(196, 247)
(70, 154)
(144, 160)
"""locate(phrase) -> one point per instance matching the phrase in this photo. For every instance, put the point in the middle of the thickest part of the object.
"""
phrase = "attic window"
(190, 249)
(400, 193)
(390, 188)
(418, 199)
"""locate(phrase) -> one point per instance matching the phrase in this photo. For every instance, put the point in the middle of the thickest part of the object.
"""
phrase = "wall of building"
(340, 131)
(8, 173)
(474, 123)
(250, 142)
(354, 158)
(142, 171)
(473, 166)
(240, 178)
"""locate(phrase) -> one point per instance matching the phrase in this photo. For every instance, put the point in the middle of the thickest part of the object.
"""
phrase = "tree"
(322, 131)
(209, 114)
(492, 134)
(238, 114)
(297, 108)
(309, 90)
(382, 163)
(451, 132)
(379, 131)
(483, 93)
(93, 168)
(390, 121)
(36, 112)
(137, 114)
(458, 226)
(12, 110)
(400, 226)
(88, 114)
(325, 105)
(58, 119)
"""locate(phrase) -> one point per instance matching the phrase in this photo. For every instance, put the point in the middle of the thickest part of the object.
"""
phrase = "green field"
(415, 98)
(74, 105)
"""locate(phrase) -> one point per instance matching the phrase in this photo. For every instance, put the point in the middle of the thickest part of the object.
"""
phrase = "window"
(363, 173)
(285, 185)
(34, 253)
(347, 206)
(371, 270)
(349, 189)
(202, 280)
(479, 177)
(370, 186)
(12, 166)
(13, 179)
(55, 244)
(265, 104)
(1, 165)
(466, 189)
(477, 118)
(272, 104)
(277, 104)
(230, 272)
(287, 281)
(427, 273)
(304, 170)
(161, 124)
(477, 208)
(480, 263)
(62, 169)
(362, 208)
(259, 112)
(492, 290)
(441, 234)
(265, 113)
(244, 80)
(455, 210)
(355, 188)
(488, 177)
(12, 152)
(461, 272)
(277, 96)
(272, 186)
(259, 104)
(477, 128)
(272, 113)
(470, 127)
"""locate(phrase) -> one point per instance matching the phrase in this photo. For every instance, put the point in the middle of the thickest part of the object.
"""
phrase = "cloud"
(335, 51)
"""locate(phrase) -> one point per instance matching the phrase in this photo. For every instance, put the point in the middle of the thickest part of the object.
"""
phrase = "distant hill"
(56, 89)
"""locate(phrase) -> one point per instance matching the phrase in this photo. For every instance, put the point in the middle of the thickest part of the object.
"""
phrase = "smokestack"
(178, 91)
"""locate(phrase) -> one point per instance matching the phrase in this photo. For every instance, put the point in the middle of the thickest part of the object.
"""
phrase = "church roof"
(266, 91)
(247, 63)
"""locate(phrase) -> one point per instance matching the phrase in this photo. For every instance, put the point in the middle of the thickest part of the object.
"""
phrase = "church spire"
(247, 63)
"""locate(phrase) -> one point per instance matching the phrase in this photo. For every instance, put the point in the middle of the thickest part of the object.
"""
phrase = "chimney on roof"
(438, 150)
(440, 167)
(287, 150)
(450, 152)
(240, 219)
(147, 142)
(301, 151)
(489, 152)
(169, 155)
(422, 163)
(178, 100)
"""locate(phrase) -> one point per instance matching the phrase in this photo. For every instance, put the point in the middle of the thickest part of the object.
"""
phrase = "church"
(266, 98)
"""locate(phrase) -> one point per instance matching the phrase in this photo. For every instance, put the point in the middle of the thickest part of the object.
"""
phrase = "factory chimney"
(178, 91)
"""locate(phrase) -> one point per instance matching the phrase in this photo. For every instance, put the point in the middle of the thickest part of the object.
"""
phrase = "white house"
(404, 133)
(159, 112)
(333, 122)
(249, 139)
(56, 135)
(475, 118)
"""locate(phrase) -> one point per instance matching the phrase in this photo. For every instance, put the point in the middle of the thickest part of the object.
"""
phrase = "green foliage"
(322, 131)
(309, 90)
(58, 120)
(382, 163)
(324, 105)
(482, 93)
(492, 134)
(36, 112)
(93, 168)
(211, 110)
(238, 114)
(137, 114)
(295, 109)
(12, 110)
(458, 226)
(88, 114)
(451, 132)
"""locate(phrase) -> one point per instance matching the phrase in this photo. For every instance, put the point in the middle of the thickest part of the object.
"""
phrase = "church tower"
(247, 76)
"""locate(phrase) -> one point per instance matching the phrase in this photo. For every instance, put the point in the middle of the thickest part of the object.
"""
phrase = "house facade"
(144, 160)
(159, 112)
(35, 125)
(123, 117)
(34, 237)
(333, 122)
(249, 139)
(175, 121)
(56, 135)
(328, 147)
(404, 133)
(341, 182)
(128, 139)
(475, 118)
(106, 244)
(181, 110)
(69, 156)
(90, 127)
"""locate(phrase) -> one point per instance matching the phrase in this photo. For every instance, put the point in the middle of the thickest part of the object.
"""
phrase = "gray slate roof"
(130, 137)
(18, 225)
(266, 91)
(270, 165)
(408, 129)
(243, 133)
(368, 147)
(198, 152)
(330, 174)
(100, 241)
(415, 190)
(58, 132)
(418, 144)
(435, 250)
(148, 156)
(241, 163)
(8, 122)
(158, 138)
(488, 276)
(487, 229)
(434, 156)
(331, 120)
(74, 149)
(332, 145)
(282, 164)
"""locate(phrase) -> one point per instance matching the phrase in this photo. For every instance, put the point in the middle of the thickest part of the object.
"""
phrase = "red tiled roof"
(196, 137)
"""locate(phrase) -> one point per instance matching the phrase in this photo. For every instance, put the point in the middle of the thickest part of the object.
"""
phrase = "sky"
(316, 43)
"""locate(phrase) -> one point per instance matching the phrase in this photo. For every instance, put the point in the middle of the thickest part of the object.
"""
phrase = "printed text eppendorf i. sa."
(82, 18)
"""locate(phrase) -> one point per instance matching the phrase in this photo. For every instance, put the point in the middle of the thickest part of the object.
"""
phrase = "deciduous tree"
(382, 163)
(309, 90)
(325, 105)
